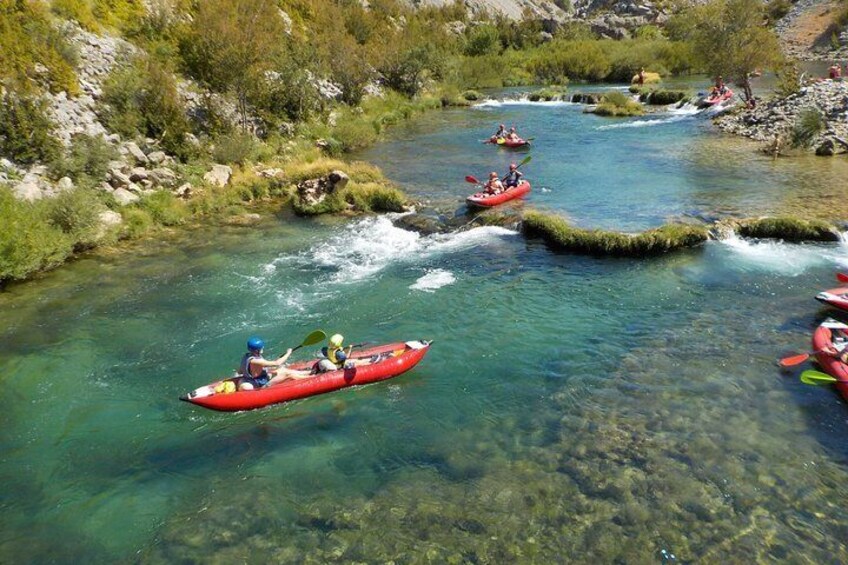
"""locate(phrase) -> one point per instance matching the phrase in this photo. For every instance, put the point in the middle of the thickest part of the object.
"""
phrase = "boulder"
(219, 175)
(314, 191)
(118, 179)
(124, 196)
(271, 173)
(157, 157)
(28, 190)
(244, 219)
(163, 177)
(136, 153)
(64, 184)
(138, 174)
(826, 149)
(183, 191)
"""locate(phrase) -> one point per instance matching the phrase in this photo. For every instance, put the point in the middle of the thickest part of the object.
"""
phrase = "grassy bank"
(557, 233)
(790, 229)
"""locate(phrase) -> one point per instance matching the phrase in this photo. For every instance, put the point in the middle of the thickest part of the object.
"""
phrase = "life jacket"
(512, 178)
(331, 355)
(244, 366)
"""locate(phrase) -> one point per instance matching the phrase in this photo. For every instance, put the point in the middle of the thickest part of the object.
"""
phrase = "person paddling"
(257, 372)
(501, 133)
(513, 177)
(336, 357)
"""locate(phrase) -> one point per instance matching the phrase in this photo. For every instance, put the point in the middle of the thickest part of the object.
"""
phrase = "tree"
(232, 43)
(732, 40)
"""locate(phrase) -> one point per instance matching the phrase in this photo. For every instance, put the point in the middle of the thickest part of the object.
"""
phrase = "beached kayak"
(512, 144)
(393, 359)
(836, 297)
(823, 337)
(488, 200)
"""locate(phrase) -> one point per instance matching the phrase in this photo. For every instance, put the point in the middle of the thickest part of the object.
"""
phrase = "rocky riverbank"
(775, 120)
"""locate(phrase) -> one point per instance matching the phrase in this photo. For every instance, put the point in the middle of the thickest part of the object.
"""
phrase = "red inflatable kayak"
(508, 143)
(837, 297)
(714, 99)
(488, 200)
(823, 337)
(397, 358)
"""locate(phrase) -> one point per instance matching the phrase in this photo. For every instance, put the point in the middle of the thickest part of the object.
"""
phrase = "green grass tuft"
(789, 229)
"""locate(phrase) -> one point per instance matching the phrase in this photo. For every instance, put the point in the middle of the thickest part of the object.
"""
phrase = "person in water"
(513, 177)
(494, 186)
(257, 372)
(335, 357)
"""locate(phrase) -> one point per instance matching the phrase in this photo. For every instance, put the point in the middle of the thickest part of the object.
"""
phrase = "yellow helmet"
(337, 340)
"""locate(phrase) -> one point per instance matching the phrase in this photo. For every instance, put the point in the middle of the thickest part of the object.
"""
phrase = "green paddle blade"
(526, 160)
(817, 378)
(313, 338)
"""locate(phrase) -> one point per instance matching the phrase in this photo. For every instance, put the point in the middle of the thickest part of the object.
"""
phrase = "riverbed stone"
(219, 175)
(124, 197)
(136, 153)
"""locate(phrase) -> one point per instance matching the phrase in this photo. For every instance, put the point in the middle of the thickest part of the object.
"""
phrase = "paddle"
(311, 339)
(797, 359)
(841, 277)
(472, 180)
(523, 162)
(817, 378)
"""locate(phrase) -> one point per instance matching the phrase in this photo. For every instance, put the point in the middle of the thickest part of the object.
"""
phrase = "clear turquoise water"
(572, 408)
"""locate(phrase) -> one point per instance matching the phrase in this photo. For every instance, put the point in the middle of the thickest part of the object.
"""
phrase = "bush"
(777, 9)
(143, 99)
(87, 159)
(76, 213)
(234, 148)
(28, 38)
(137, 222)
(808, 125)
(472, 95)
(26, 133)
(375, 197)
(164, 208)
(663, 97)
(482, 40)
(618, 104)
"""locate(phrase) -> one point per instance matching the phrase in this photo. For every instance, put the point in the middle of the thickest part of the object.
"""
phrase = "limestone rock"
(110, 218)
(183, 191)
(826, 149)
(138, 174)
(136, 153)
(163, 176)
(157, 157)
(28, 190)
(219, 175)
(124, 197)
(118, 179)
(314, 191)
(65, 184)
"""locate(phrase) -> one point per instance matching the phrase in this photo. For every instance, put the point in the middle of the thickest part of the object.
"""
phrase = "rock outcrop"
(776, 118)
(312, 192)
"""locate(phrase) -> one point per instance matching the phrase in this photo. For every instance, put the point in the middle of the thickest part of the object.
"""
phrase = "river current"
(571, 409)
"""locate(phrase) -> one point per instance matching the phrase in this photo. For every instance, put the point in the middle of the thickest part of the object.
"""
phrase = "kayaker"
(494, 186)
(513, 135)
(335, 357)
(501, 133)
(257, 372)
(838, 350)
(513, 177)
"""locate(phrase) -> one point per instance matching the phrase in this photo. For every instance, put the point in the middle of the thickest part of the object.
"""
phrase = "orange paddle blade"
(794, 360)
(841, 277)
(472, 180)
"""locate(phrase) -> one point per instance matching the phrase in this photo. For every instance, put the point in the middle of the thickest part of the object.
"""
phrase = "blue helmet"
(255, 344)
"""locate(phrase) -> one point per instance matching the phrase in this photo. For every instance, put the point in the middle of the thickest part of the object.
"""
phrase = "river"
(571, 408)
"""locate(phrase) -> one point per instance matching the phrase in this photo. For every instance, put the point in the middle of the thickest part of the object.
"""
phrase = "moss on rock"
(618, 104)
(662, 97)
(788, 229)
(557, 232)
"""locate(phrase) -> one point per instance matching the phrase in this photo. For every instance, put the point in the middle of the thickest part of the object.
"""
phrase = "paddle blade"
(794, 360)
(501, 141)
(817, 378)
(472, 180)
(525, 160)
(841, 277)
(313, 338)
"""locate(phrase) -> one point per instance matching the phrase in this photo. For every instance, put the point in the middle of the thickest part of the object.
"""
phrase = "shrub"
(234, 148)
(86, 160)
(142, 99)
(808, 125)
(76, 213)
(137, 222)
(28, 241)
(618, 104)
(375, 197)
(663, 97)
(26, 133)
(777, 9)
(472, 95)
(164, 208)
(482, 40)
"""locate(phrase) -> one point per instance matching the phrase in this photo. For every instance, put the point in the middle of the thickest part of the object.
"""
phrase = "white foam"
(522, 102)
(366, 247)
(784, 258)
(434, 280)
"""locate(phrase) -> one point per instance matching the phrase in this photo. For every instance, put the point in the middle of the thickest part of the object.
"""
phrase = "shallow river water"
(571, 408)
